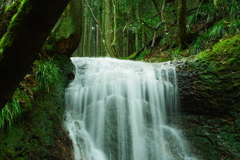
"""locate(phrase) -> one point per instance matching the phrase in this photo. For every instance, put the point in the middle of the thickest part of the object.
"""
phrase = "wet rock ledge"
(209, 89)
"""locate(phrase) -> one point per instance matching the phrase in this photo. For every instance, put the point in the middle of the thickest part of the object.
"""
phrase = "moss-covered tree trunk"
(66, 35)
(23, 41)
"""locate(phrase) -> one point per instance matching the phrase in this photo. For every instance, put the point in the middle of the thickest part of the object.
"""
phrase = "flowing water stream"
(117, 110)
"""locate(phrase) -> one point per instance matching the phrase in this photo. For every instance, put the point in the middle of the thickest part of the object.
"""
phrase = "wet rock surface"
(209, 92)
(204, 89)
(210, 119)
(212, 137)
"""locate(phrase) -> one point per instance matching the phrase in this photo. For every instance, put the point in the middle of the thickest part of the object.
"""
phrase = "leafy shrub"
(47, 74)
(142, 55)
(217, 31)
(12, 110)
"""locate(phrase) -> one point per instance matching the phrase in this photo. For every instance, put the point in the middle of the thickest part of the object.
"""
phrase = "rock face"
(204, 88)
(212, 136)
(209, 87)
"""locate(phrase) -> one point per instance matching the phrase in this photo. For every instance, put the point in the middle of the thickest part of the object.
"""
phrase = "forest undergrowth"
(206, 26)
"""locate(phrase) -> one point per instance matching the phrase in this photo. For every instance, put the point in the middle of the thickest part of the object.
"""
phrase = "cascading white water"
(116, 110)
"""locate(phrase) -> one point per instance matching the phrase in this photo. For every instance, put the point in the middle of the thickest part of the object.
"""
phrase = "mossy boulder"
(209, 86)
(210, 83)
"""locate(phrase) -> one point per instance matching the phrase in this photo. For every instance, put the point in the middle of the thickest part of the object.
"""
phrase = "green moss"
(218, 76)
(222, 60)
(223, 52)
(50, 48)
(131, 56)
(11, 8)
(16, 19)
(65, 28)
(23, 10)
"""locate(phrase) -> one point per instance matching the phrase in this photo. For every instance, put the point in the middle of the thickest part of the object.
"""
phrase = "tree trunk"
(66, 35)
(182, 21)
(24, 40)
(163, 15)
(108, 27)
(114, 41)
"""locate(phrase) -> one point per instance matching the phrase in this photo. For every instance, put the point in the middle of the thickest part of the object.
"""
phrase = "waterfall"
(117, 110)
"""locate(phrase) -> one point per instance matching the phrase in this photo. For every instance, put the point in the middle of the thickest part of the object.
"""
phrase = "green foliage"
(12, 111)
(9, 113)
(233, 26)
(50, 47)
(217, 31)
(40, 134)
(231, 59)
(142, 55)
(226, 20)
(206, 11)
(177, 54)
(233, 9)
(204, 39)
(224, 50)
(47, 74)
(199, 43)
